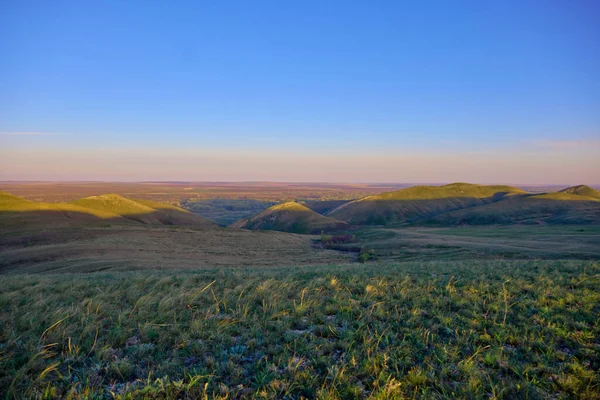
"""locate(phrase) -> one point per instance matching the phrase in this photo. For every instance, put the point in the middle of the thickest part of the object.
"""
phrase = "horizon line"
(294, 182)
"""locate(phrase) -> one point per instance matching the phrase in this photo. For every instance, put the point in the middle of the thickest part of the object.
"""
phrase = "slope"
(562, 207)
(290, 217)
(144, 211)
(11, 205)
(582, 190)
(419, 202)
(17, 211)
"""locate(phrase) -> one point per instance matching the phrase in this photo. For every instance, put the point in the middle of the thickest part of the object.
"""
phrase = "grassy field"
(483, 242)
(473, 329)
(149, 305)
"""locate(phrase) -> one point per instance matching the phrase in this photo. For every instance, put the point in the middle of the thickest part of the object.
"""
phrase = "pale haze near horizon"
(571, 164)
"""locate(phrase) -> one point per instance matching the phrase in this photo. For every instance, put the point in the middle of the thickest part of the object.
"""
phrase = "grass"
(476, 329)
(552, 208)
(453, 190)
(17, 211)
(114, 203)
(224, 212)
(419, 202)
(467, 204)
(483, 242)
(583, 190)
(291, 217)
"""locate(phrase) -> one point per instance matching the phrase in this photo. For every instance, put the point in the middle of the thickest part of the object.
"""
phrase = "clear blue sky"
(248, 79)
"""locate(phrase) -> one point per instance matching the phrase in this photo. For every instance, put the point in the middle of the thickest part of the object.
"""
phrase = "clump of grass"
(489, 329)
(366, 255)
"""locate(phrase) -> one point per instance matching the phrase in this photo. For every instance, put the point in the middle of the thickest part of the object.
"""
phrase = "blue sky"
(439, 80)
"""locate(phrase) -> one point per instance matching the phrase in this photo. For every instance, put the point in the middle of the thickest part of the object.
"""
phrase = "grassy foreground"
(489, 329)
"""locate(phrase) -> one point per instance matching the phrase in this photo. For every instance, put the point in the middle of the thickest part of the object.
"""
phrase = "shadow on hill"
(527, 209)
(500, 208)
(383, 211)
(111, 208)
(291, 217)
(13, 222)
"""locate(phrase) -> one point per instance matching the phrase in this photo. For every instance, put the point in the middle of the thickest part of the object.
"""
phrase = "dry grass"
(125, 247)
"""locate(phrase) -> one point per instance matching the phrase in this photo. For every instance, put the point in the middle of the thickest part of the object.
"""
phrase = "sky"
(315, 91)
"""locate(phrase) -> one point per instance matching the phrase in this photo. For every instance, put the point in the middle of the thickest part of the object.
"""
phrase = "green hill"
(419, 202)
(14, 204)
(582, 190)
(290, 217)
(105, 207)
(145, 211)
(562, 207)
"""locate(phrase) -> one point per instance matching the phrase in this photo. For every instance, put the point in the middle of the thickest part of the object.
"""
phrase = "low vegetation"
(127, 298)
(17, 211)
(291, 217)
(560, 208)
(419, 202)
(477, 329)
(225, 212)
(467, 204)
(582, 190)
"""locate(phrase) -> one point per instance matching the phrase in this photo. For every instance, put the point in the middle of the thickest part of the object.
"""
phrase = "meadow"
(465, 329)
(113, 297)
(545, 242)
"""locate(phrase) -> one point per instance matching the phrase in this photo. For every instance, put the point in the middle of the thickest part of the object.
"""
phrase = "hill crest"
(582, 190)
(418, 202)
(290, 217)
(103, 207)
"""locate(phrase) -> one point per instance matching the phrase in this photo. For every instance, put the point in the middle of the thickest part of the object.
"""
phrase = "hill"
(419, 202)
(562, 207)
(144, 211)
(582, 190)
(11, 205)
(18, 211)
(290, 217)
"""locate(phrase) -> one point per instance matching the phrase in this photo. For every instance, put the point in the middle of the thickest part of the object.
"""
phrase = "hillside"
(19, 211)
(290, 217)
(419, 202)
(562, 207)
(582, 190)
(14, 206)
(145, 211)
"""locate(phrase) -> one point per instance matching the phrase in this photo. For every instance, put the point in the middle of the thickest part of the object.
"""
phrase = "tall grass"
(490, 329)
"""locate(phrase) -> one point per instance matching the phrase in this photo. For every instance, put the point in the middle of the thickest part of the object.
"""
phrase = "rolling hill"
(419, 203)
(105, 207)
(290, 217)
(10, 204)
(582, 190)
(564, 207)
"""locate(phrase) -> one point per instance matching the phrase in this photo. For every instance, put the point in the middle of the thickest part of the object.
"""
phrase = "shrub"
(366, 255)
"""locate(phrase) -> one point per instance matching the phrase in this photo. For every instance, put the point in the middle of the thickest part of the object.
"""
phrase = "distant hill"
(14, 204)
(419, 202)
(290, 217)
(562, 207)
(582, 190)
(105, 207)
